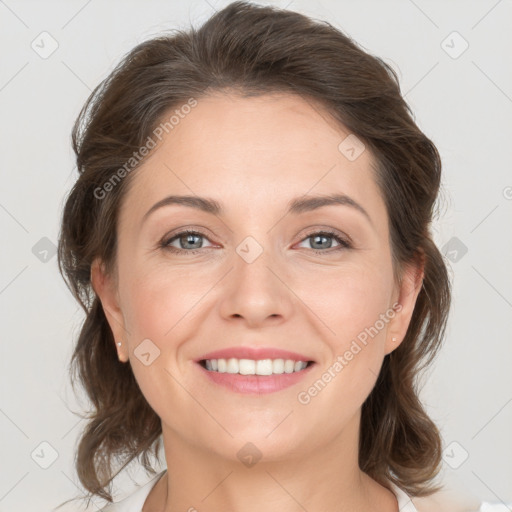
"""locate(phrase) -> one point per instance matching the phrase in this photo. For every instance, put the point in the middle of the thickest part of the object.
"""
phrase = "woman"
(249, 238)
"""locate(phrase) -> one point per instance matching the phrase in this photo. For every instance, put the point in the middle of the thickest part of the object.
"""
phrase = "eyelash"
(344, 244)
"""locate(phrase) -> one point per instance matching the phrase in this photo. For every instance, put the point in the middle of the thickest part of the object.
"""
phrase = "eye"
(191, 242)
(188, 241)
(321, 241)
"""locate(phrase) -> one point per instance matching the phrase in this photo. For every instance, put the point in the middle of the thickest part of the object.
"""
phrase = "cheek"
(160, 301)
(159, 306)
(352, 305)
(349, 300)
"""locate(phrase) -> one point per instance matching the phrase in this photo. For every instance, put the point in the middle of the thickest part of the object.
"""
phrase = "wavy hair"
(254, 50)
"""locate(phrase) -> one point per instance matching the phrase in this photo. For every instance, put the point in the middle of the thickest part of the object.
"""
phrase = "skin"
(254, 155)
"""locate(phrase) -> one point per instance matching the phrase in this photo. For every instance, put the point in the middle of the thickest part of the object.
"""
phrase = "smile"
(254, 376)
(254, 367)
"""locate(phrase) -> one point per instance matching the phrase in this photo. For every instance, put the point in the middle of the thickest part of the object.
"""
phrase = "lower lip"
(256, 384)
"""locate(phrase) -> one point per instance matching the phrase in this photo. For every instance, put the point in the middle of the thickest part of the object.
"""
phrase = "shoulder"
(448, 500)
(135, 501)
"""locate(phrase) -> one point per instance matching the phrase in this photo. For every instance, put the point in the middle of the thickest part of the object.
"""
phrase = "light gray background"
(464, 104)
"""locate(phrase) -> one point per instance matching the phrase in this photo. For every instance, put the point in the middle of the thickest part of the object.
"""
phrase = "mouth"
(254, 376)
(259, 367)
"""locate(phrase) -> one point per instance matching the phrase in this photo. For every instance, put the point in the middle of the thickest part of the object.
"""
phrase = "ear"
(405, 295)
(105, 287)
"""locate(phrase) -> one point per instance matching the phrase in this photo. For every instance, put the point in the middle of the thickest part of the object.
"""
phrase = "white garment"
(135, 501)
(404, 502)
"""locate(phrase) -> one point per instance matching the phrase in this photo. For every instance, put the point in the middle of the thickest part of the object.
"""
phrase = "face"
(269, 271)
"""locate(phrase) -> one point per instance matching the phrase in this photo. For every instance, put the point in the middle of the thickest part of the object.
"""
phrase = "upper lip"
(254, 353)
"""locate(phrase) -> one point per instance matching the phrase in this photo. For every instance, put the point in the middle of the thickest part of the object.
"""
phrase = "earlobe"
(409, 289)
(106, 291)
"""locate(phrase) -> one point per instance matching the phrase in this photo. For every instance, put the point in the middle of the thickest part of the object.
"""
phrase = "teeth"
(252, 367)
(289, 366)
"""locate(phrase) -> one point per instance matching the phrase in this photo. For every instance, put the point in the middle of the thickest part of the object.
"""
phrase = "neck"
(200, 480)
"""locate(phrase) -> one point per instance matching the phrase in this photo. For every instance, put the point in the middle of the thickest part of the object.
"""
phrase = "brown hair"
(254, 50)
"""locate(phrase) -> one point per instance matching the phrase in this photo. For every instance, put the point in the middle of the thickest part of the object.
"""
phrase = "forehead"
(257, 150)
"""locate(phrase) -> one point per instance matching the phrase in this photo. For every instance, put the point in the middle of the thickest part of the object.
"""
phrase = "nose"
(256, 292)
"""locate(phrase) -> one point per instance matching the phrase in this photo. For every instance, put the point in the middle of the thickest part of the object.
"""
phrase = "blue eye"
(185, 238)
(191, 242)
(322, 238)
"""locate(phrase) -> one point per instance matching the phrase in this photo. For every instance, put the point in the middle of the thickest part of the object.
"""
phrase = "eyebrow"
(295, 206)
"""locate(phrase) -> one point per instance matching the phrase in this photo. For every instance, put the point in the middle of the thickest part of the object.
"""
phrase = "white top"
(135, 501)
(404, 501)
